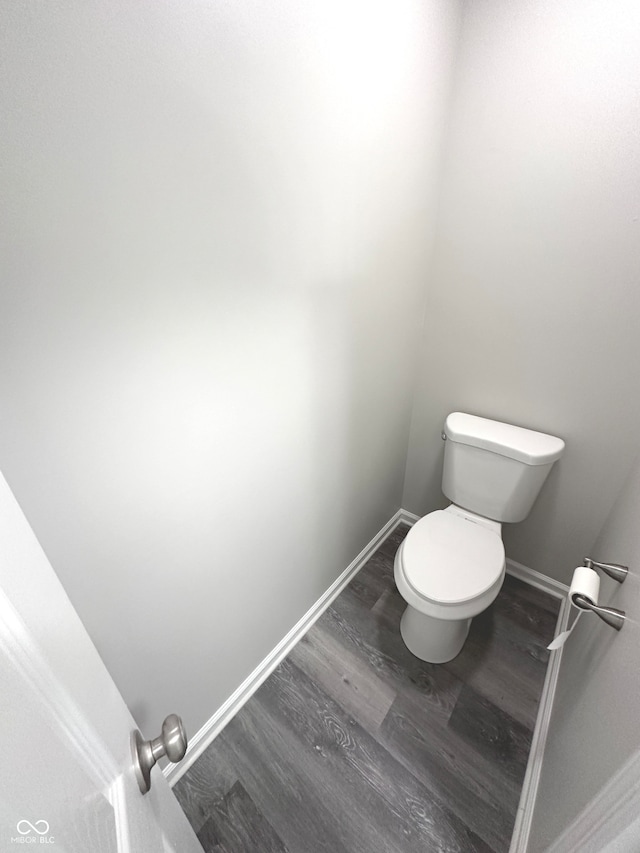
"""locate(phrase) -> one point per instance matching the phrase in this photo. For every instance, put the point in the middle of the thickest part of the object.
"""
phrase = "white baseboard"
(408, 517)
(209, 731)
(214, 725)
(524, 815)
(537, 579)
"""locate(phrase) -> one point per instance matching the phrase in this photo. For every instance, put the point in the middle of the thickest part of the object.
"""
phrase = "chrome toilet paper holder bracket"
(614, 570)
(611, 615)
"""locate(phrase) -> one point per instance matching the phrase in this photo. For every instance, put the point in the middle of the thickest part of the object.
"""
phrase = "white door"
(66, 773)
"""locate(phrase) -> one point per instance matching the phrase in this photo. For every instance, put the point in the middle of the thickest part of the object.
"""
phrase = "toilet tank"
(495, 469)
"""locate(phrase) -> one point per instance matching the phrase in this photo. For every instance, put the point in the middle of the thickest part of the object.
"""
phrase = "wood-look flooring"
(353, 745)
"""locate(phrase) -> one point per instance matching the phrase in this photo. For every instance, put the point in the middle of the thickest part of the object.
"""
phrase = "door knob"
(172, 743)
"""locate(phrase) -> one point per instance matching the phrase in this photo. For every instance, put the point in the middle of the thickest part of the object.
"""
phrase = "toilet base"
(430, 639)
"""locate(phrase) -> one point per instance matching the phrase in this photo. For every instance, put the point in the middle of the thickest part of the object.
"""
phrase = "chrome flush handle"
(172, 743)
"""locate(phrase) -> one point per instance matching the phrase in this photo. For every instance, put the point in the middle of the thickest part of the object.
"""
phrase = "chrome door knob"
(172, 743)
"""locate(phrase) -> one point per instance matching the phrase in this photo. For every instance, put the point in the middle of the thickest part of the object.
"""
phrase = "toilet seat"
(451, 559)
(450, 566)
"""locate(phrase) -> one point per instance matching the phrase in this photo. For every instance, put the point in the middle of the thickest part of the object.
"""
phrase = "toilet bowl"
(449, 568)
(451, 564)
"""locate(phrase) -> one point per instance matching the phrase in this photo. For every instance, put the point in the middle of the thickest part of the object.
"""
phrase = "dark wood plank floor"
(353, 745)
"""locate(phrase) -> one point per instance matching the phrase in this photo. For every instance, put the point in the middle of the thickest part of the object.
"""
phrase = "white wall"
(594, 727)
(534, 306)
(216, 219)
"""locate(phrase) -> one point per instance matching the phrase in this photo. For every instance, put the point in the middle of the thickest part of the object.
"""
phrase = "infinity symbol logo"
(40, 826)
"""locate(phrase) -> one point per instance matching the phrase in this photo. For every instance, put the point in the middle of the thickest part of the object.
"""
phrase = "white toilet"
(451, 564)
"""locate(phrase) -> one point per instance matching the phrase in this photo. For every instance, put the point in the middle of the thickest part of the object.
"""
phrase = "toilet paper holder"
(610, 615)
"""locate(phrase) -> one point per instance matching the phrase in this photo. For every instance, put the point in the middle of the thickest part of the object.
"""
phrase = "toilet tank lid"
(525, 445)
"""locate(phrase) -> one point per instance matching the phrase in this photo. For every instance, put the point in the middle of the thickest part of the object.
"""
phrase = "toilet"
(451, 565)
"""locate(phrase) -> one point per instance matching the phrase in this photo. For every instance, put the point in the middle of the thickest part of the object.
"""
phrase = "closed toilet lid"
(449, 559)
